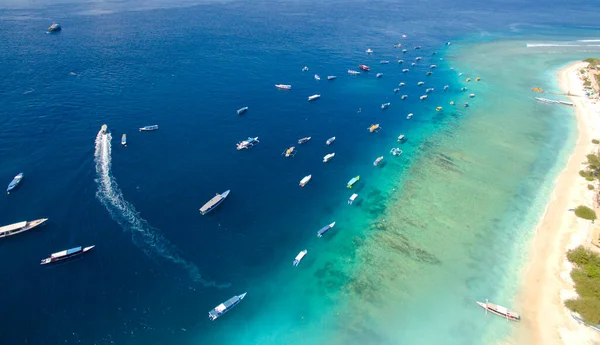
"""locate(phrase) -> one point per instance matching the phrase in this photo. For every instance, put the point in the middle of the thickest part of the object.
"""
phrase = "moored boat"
(433, 66)
(65, 254)
(331, 77)
(364, 68)
(317, 77)
(428, 73)
(446, 87)
(379, 75)
(290, 152)
(404, 50)
(418, 58)
(438, 108)
(369, 51)
(396, 90)
(248, 143)
(242, 110)
(313, 97)
(283, 86)
(400, 61)
(303, 140)
(423, 97)
(384, 62)
(396, 151)
(124, 140)
(499, 310)
(225, 306)
(404, 97)
(401, 137)
(324, 229)
(214, 202)
(14, 183)
(420, 83)
(149, 128)
(328, 157)
(305, 68)
(401, 83)
(409, 116)
(352, 198)
(377, 161)
(429, 89)
(374, 128)
(19, 227)
(385, 105)
(472, 95)
(353, 181)
(405, 70)
(299, 257)
(353, 72)
(54, 28)
(330, 141)
(305, 180)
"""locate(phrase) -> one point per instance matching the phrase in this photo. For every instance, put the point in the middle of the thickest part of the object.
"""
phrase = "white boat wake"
(146, 237)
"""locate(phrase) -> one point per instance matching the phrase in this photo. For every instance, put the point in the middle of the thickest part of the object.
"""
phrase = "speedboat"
(384, 62)
(401, 137)
(374, 128)
(225, 306)
(305, 68)
(396, 90)
(331, 77)
(214, 202)
(379, 75)
(369, 51)
(317, 77)
(313, 97)
(433, 66)
(468, 80)
(405, 70)
(429, 89)
(124, 140)
(299, 257)
(248, 143)
(446, 87)
(420, 83)
(428, 73)
(352, 198)
(423, 97)
(328, 157)
(477, 79)
(404, 97)
(404, 50)
(303, 140)
(242, 110)
(385, 105)
(149, 128)
(377, 161)
(330, 141)
(14, 183)
(413, 64)
(305, 180)
(401, 84)
(396, 151)
(499, 310)
(54, 28)
(472, 95)
(291, 152)
(353, 72)
(364, 68)
(324, 229)
(65, 255)
(418, 58)
(448, 43)
(104, 129)
(283, 86)
(400, 61)
(353, 181)
(409, 116)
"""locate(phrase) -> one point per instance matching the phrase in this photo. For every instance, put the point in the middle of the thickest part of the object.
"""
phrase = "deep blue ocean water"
(159, 266)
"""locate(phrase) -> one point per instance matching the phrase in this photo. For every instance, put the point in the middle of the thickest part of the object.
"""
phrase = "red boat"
(364, 68)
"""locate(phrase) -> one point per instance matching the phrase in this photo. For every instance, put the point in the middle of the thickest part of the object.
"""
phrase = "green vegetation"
(594, 62)
(587, 82)
(585, 213)
(592, 171)
(586, 276)
(595, 141)
(590, 187)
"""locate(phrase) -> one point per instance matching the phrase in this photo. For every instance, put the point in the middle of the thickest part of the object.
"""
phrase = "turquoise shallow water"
(447, 223)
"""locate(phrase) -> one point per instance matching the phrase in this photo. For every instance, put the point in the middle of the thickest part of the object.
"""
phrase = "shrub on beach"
(595, 141)
(590, 187)
(585, 213)
(586, 276)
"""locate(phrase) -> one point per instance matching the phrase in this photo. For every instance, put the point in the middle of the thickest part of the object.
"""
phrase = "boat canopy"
(59, 254)
(501, 310)
(12, 227)
(301, 255)
(220, 308)
(74, 250)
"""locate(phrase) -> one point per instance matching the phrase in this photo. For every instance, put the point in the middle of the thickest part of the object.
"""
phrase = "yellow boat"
(438, 108)
(374, 128)
(291, 152)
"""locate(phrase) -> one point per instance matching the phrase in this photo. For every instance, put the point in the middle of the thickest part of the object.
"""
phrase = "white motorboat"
(328, 157)
(305, 180)
(313, 97)
(283, 86)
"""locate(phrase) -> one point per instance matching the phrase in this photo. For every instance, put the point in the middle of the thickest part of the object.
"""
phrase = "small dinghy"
(385, 105)
(330, 141)
(396, 151)
(305, 180)
(328, 157)
(242, 110)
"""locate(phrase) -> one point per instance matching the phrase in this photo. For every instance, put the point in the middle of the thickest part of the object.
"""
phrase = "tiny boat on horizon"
(303, 140)
(331, 77)
(299, 257)
(385, 105)
(317, 77)
(313, 97)
(242, 110)
(353, 72)
(214, 202)
(14, 183)
(290, 152)
(364, 68)
(328, 157)
(54, 28)
(353, 181)
(378, 160)
(149, 128)
(305, 180)
(225, 306)
(379, 75)
(499, 310)
(409, 116)
(283, 86)
(65, 255)
(396, 151)
(248, 143)
(330, 141)
(352, 198)
(124, 140)
(374, 128)
(324, 229)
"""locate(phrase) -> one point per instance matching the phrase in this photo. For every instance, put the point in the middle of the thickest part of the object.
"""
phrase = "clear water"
(445, 224)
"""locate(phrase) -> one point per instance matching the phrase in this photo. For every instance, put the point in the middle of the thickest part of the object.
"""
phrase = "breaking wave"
(145, 236)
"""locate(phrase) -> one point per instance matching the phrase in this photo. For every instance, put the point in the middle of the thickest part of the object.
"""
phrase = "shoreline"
(546, 277)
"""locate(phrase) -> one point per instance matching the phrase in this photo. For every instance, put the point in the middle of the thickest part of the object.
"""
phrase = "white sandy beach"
(546, 282)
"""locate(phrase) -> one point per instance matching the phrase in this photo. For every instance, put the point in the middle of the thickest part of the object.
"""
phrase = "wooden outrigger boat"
(499, 310)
